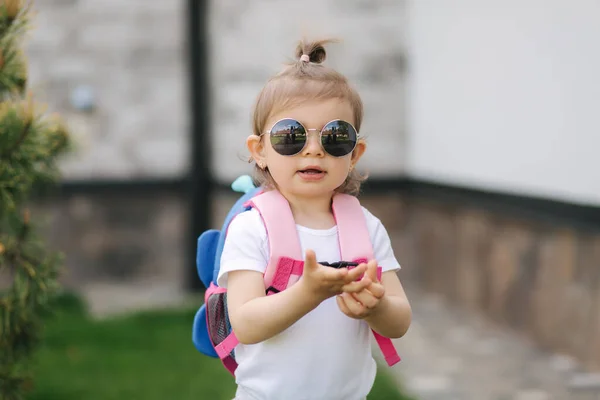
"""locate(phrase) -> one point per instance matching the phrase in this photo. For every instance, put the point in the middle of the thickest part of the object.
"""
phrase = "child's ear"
(359, 150)
(256, 148)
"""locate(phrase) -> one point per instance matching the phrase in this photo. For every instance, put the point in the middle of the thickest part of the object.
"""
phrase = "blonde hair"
(302, 81)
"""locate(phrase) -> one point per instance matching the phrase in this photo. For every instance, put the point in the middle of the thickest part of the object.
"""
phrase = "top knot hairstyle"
(306, 79)
(315, 51)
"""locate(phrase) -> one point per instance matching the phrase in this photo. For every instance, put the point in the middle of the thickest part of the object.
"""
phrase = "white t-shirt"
(323, 356)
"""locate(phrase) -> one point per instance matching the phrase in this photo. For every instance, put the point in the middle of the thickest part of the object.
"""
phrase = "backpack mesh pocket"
(219, 327)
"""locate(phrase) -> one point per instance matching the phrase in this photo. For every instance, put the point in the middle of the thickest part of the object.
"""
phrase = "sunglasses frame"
(269, 132)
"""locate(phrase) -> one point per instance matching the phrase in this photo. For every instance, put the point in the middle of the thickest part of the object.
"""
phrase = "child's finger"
(334, 275)
(342, 305)
(366, 298)
(354, 306)
(372, 270)
(356, 286)
(310, 260)
(356, 273)
(377, 290)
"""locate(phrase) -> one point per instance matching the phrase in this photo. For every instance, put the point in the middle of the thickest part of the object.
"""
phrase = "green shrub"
(29, 146)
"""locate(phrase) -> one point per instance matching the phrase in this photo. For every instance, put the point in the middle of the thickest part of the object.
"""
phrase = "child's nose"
(313, 145)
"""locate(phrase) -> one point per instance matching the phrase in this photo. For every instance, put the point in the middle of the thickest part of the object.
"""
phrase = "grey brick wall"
(131, 53)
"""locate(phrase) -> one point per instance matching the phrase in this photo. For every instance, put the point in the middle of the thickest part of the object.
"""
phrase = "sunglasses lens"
(339, 138)
(288, 137)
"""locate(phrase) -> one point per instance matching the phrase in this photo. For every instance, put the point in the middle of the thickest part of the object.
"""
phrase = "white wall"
(505, 95)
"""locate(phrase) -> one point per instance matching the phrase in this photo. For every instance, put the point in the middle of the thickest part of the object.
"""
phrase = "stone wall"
(139, 237)
(541, 279)
(125, 237)
(127, 60)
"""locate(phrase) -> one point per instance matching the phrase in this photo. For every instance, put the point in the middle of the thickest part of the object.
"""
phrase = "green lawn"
(148, 355)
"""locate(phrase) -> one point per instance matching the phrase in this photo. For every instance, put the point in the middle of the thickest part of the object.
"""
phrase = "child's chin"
(314, 189)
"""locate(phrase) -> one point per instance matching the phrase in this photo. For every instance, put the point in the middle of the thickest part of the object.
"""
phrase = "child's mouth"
(311, 173)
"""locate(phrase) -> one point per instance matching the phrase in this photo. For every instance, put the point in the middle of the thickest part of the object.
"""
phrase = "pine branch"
(29, 148)
(14, 19)
(19, 140)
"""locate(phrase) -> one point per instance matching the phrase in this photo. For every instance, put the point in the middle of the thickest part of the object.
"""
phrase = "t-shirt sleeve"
(382, 246)
(245, 246)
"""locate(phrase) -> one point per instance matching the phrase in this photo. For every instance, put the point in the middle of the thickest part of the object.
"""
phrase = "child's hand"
(361, 304)
(325, 282)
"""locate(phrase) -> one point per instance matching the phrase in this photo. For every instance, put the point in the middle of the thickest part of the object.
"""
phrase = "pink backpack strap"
(286, 258)
(355, 245)
(281, 269)
(387, 349)
(353, 235)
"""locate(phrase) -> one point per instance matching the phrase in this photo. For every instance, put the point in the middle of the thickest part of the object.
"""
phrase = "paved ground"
(450, 355)
(447, 354)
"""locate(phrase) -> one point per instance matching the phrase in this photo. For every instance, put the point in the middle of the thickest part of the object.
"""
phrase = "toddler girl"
(312, 340)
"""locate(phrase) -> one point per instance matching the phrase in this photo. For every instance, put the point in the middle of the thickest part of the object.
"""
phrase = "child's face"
(288, 171)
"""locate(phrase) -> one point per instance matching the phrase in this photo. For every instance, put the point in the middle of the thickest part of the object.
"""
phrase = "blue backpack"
(208, 261)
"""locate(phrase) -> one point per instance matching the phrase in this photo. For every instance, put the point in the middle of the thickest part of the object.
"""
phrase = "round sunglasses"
(289, 137)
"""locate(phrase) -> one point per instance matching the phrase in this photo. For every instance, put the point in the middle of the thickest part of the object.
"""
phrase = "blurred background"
(483, 135)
